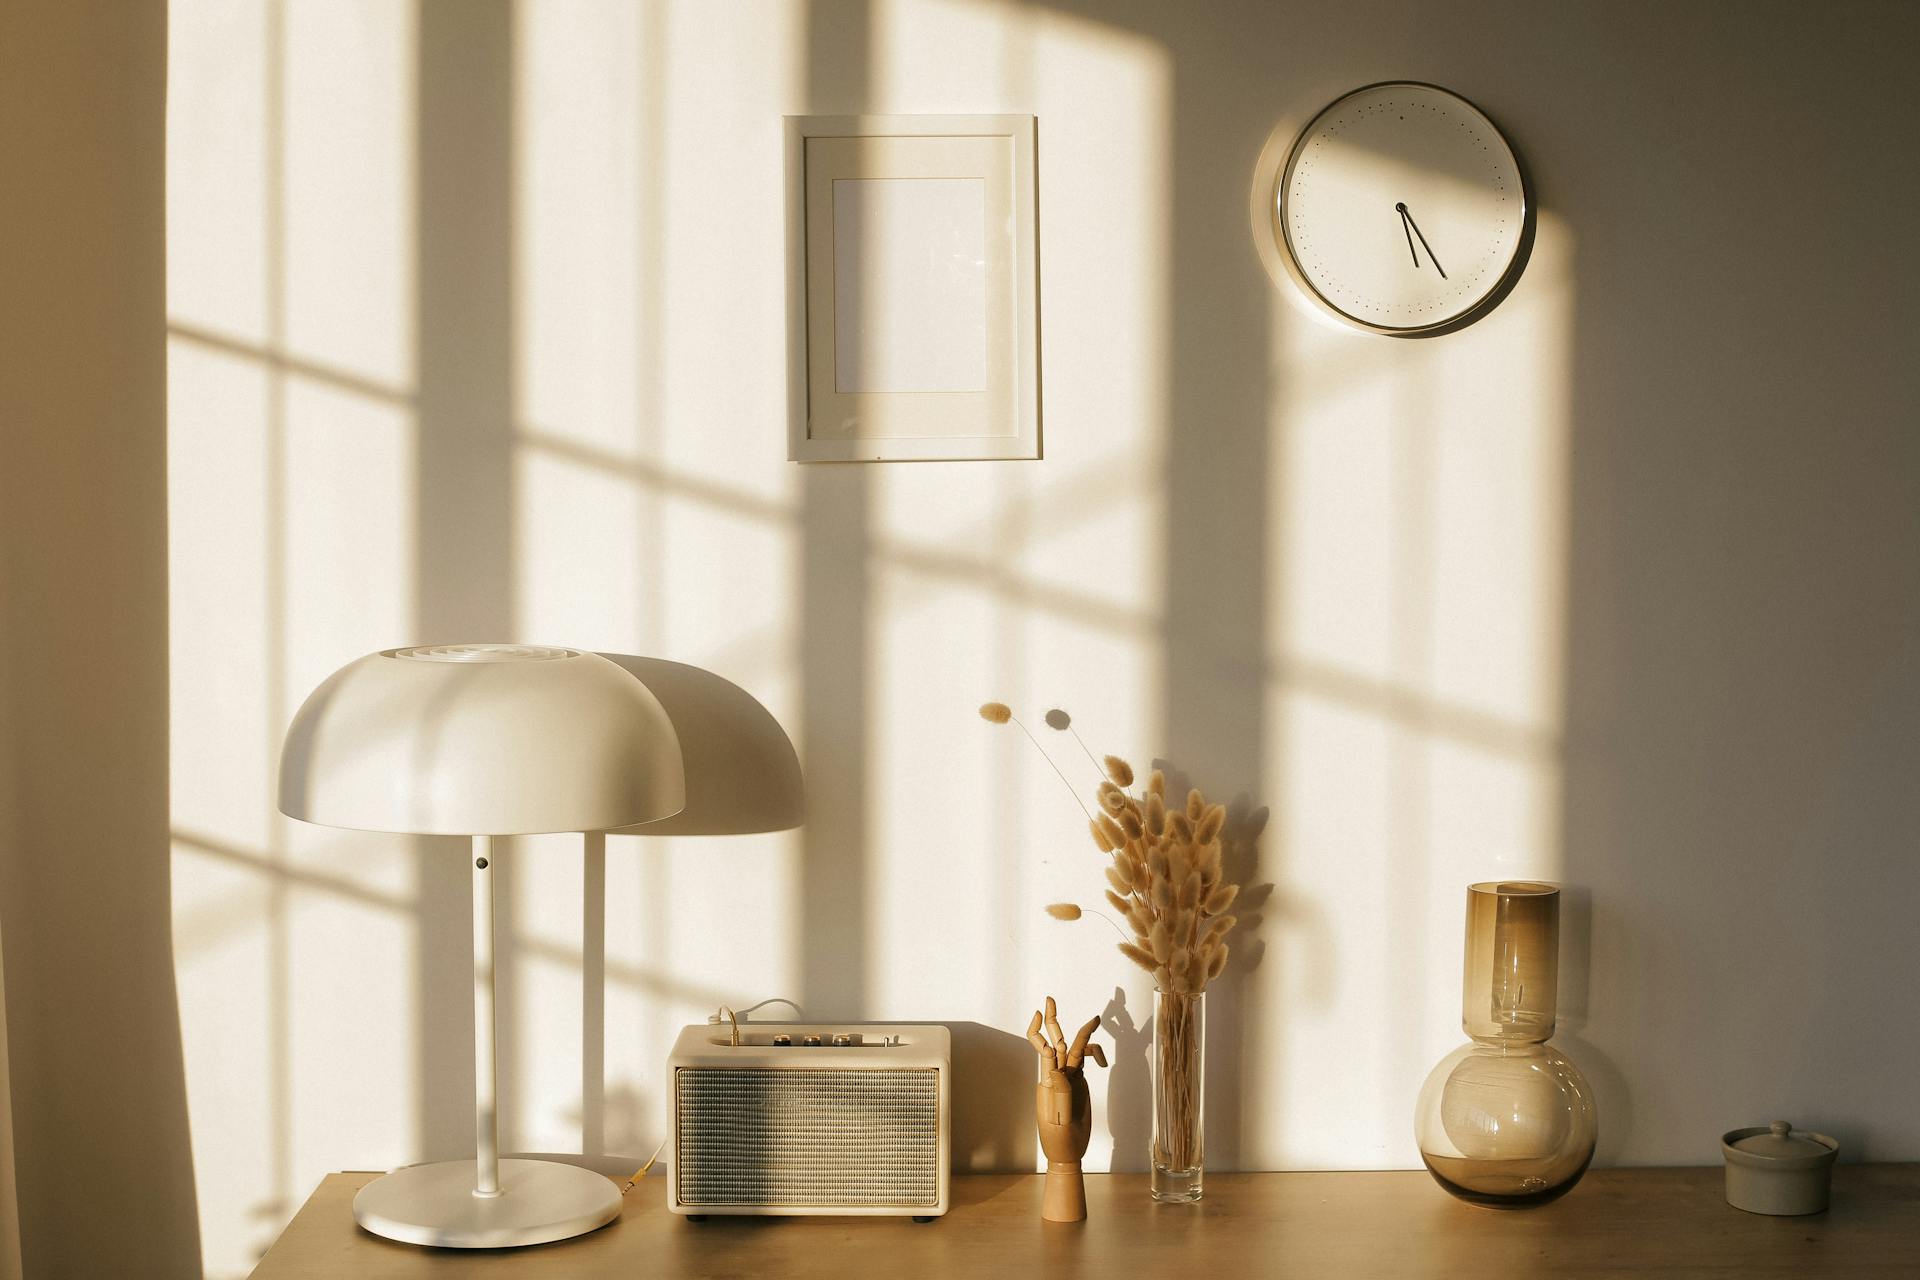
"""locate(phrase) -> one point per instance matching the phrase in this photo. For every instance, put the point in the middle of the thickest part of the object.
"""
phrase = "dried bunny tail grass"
(1182, 927)
(1179, 863)
(1157, 784)
(1156, 814)
(1138, 918)
(1207, 830)
(1101, 841)
(1138, 956)
(1160, 941)
(1220, 899)
(1063, 910)
(1118, 879)
(1119, 903)
(1116, 838)
(995, 712)
(1130, 823)
(1137, 873)
(1219, 962)
(1157, 864)
(1119, 770)
(1196, 806)
(1160, 893)
(1189, 894)
(1179, 984)
(1163, 978)
(1181, 828)
(1112, 800)
(1218, 929)
(1210, 859)
(1181, 963)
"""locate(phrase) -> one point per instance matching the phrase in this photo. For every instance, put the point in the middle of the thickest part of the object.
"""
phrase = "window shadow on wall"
(830, 918)
(1216, 582)
(463, 533)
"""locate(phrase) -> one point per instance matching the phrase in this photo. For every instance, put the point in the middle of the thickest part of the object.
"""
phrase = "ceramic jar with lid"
(1777, 1170)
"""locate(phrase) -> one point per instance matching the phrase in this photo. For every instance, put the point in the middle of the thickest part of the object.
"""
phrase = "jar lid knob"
(1780, 1128)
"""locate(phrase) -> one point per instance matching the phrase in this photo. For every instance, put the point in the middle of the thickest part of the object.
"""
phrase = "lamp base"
(434, 1204)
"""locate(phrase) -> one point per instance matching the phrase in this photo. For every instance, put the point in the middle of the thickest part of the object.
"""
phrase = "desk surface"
(1667, 1222)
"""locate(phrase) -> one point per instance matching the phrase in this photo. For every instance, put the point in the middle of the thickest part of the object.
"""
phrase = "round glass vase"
(1507, 1121)
(1179, 1094)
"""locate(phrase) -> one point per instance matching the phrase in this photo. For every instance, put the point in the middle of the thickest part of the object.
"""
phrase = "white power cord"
(798, 1013)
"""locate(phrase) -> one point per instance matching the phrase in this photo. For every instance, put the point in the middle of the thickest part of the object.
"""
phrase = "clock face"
(1402, 208)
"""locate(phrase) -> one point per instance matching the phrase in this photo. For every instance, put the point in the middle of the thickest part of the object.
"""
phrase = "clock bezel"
(1502, 286)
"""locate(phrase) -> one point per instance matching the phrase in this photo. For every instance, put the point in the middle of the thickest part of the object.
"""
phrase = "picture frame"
(913, 321)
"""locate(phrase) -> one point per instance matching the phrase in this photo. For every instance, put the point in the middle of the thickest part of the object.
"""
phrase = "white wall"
(478, 331)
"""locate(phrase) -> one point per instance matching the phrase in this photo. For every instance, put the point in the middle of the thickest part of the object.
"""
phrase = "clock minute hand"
(1423, 241)
(1401, 209)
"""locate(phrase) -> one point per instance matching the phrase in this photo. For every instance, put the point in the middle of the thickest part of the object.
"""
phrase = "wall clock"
(1402, 210)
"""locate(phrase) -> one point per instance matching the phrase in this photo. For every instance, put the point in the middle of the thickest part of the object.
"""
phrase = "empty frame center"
(910, 285)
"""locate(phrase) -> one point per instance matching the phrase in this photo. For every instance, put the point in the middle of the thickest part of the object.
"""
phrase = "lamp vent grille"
(803, 1138)
(481, 653)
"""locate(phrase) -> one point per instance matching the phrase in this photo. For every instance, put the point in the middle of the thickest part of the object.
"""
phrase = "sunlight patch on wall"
(545, 1107)
(1419, 536)
(651, 516)
(218, 149)
(729, 602)
(1337, 954)
(717, 238)
(582, 177)
(349, 175)
(223, 967)
(1037, 585)
(581, 574)
(349, 965)
(219, 511)
(291, 517)
(349, 531)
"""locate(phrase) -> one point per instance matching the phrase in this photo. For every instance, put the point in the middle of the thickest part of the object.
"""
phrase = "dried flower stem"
(1177, 1046)
(1087, 751)
(1049, 759)
(1124, 935)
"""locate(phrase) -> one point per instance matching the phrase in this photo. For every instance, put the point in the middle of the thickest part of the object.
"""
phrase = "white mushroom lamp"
(482, 740)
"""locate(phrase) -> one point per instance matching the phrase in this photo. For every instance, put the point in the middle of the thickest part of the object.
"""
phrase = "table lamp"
(482, 740)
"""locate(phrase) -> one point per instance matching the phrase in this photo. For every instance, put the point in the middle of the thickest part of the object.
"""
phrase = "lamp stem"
(486, 1118)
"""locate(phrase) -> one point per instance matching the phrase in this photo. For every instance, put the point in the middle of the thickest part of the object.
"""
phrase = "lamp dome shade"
(481, 739)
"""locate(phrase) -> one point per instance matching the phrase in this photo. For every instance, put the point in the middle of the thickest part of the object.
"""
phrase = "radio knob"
(783, 1041)
(811, 1042)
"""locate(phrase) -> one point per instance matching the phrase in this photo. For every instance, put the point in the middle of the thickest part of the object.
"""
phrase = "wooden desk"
(1667, 1222)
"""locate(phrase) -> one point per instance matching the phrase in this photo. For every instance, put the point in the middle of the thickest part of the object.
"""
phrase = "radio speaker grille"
(806, 1138)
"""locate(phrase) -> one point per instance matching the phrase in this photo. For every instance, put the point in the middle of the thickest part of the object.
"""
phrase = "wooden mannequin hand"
(1064, 1112)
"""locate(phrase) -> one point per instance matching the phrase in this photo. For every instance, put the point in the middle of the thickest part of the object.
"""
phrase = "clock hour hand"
(1408, 219)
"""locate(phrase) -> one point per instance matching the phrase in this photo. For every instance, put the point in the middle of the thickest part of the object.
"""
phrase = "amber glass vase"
(1507, 1120)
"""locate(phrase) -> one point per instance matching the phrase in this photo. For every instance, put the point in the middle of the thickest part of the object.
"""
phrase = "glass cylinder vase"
(1507, 1120)
(1179, 1094)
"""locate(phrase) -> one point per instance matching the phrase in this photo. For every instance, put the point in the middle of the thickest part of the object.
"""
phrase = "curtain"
(9, 1210)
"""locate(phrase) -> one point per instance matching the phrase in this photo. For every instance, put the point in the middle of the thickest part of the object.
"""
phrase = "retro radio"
(794, 1118)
